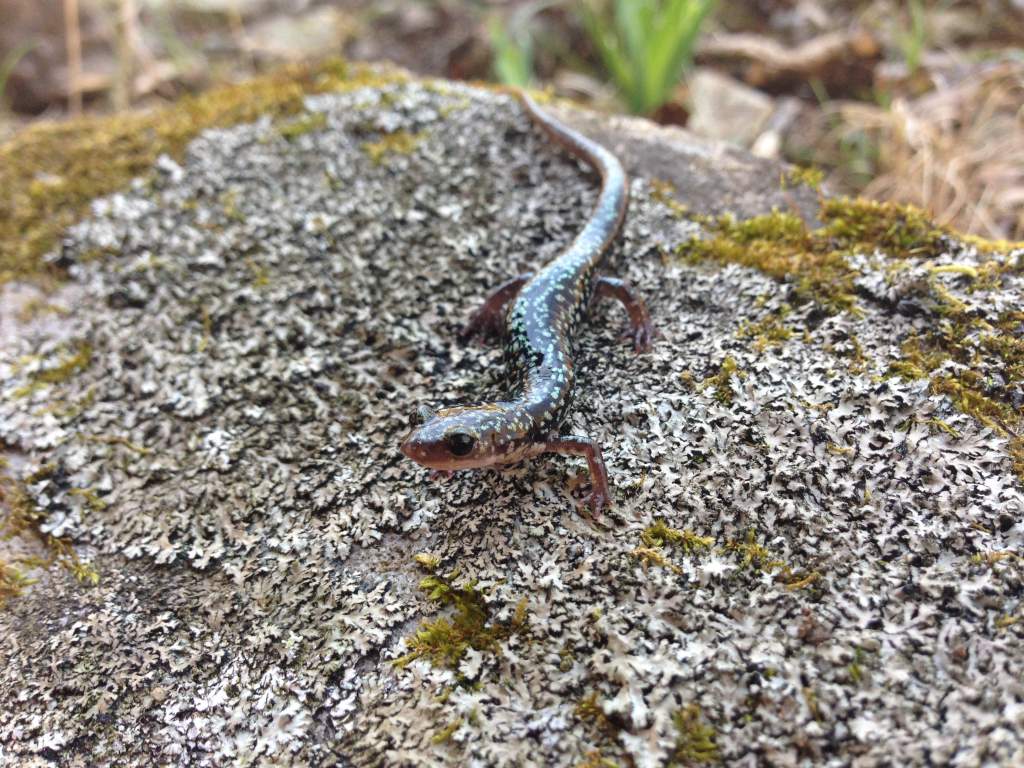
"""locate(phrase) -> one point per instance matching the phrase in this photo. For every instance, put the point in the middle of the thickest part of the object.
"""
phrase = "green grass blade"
(513, 58)
(633, 20)
(671, 50)
(661, 51)
(646, 44)
(698, 13)
(10, 61)
(611, 54)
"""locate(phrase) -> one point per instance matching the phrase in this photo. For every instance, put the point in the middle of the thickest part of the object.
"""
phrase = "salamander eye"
(459, 443)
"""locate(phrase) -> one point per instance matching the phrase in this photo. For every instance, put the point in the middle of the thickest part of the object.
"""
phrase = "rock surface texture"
(263, 320)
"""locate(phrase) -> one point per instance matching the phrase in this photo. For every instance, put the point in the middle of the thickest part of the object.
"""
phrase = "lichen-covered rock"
(809, 561)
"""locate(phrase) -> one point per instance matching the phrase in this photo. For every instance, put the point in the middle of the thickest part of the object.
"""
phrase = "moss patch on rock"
(721, 382)
(50, 172)
(21, 517)
(660, 534)
(986, 353)
(444, 641)
(67, 365)
(695, 744)
(979, 365)
(816, 260)
(399, 142)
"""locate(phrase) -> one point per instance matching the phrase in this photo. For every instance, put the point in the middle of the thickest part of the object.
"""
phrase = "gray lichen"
(273, 310)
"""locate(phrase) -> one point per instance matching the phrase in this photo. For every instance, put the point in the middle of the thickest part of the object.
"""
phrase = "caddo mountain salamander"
(538, 315)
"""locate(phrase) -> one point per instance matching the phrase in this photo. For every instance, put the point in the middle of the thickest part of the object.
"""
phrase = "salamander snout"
(457, 438)
(418, 449)
(433, 446)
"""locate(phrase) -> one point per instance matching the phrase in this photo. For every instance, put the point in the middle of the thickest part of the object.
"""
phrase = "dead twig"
(73, 47)
(770, 63)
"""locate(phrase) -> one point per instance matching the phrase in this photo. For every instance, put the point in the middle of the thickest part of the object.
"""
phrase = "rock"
(226, 458)
(317, 33)
(770, 141)
(727, 109)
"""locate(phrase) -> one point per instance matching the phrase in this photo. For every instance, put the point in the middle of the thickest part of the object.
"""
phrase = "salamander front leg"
(489, 320)
(640, 328)
(571, 445)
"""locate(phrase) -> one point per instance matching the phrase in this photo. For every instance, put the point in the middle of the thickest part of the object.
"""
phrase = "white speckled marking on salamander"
(539, 328)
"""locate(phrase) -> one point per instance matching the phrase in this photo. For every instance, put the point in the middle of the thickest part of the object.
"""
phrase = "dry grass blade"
(955, 152)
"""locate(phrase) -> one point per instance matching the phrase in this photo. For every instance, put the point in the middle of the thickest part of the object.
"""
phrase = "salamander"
(538, 315)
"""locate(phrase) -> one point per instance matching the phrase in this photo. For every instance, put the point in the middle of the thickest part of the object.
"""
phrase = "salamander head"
(464, 438)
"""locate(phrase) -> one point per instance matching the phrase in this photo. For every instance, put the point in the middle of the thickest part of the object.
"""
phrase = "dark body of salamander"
(542, 323)
(539, 315)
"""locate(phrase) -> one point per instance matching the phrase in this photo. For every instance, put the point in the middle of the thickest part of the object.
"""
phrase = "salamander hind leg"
(640, 328)
(489, 319)
(572, 445)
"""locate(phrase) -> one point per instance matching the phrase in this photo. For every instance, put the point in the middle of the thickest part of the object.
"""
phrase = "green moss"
(807, 176)
(632, 488)
(938, 425)
(982, 349)
(67, 365)
(91, 498)
(853, 351)
(721, 382)
(815, 262)
(13, 580)
(769, 331)
(20, 518)
(566, 658)
(65, 409)
(427, 561)
(307, 123)
(695, 739)
(812, 703)
(446, 733)
(229, 204)
(794, 581)
(36, 307)
(399, 142)
(659, 534)
(444, 641)
(855, 668)
(985, 245)
(991, 558)
(44, 472)
(114, 440)
(649, 556)
(594, 759)
(756, 557)
(589, 710)
(839, 450)
(664, 192)
(753, 555)
(50, 172)
(900, 231)
(260, 274)
(780, 245)
(1006, 621)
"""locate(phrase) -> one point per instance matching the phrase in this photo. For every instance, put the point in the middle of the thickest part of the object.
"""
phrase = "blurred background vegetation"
(919, 101)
